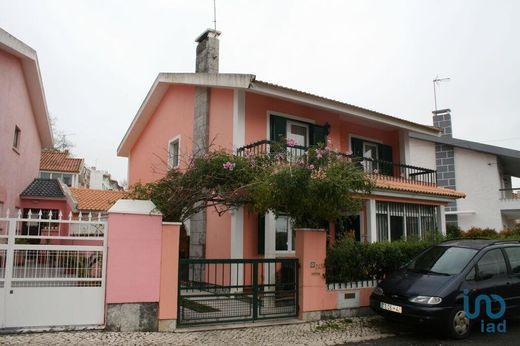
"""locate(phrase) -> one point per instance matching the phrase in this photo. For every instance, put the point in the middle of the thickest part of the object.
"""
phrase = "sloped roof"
(44, 188)
(33, 79)
(397, 184)
(56, 161)
(509, 158)
(96, 200)
(249, 83)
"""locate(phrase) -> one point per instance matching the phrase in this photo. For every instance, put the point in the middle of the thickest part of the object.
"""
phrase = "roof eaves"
(31, 68)
(159, 88)
(338, 106)
(465, 144)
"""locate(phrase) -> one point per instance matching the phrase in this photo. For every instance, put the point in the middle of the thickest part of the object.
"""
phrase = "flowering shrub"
(312, 187)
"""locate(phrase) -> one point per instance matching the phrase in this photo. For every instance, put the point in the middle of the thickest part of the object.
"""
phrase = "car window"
(447, 260)
(471, 275)
(491, 265)
(513, 253)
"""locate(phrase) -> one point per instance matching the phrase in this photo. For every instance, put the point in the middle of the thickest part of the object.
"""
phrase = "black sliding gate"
(230, 290)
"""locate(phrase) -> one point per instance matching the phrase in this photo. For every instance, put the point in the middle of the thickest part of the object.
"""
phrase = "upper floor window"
(303, 133)
(66, 178)
(173, 153)
(377, 157)
(16, 138)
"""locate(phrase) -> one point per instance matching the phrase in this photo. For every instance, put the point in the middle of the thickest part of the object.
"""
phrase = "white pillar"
(237, 244)
(371, 217)
(442, 219)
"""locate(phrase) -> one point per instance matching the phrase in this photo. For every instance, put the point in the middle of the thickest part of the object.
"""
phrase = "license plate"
(391, 307)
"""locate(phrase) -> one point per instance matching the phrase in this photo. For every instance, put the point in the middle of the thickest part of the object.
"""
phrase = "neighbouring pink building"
(186, 111)
(24, 121)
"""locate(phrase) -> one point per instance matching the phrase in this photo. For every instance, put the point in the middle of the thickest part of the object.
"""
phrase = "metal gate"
(52, 271)
(230, 290)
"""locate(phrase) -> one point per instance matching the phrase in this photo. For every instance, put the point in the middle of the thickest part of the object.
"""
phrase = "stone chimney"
(445, 161)
(206, 61)
(207, 52)
(442, 120)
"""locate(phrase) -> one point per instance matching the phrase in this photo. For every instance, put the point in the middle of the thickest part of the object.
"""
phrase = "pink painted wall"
(258, 106)
(311, 252)
(170, 237)
(134, 258)
(218, 235)
(221, 118)
(218, 230)
(173, 116)
(17, 168)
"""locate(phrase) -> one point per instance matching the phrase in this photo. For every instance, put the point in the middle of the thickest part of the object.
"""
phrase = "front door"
(298, 138)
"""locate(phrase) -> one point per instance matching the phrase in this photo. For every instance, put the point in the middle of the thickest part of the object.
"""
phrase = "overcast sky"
(98, 59)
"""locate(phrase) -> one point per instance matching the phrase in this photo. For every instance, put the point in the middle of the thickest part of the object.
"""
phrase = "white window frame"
(170, 156)
(290, 246)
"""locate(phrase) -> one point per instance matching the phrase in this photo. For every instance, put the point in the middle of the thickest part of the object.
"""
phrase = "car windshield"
(443, 260)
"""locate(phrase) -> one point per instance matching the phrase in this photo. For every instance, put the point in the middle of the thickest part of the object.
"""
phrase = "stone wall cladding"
(445, 162)
(134, 317)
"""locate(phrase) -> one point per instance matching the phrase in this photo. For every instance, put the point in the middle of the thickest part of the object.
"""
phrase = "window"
(513, 253)
(45, 175)
(67, 179)
(284, 234)
(491, 265)
(173, 153)
(442, 260)
(376, 157)
(304, 133)
(400, 221)
(298, 132)
(16, 138)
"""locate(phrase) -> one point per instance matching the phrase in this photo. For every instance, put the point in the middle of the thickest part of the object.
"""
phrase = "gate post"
(311, 248)
(169, 290)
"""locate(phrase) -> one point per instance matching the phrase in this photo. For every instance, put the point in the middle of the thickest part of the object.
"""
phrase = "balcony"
(406, 173)
(510, 194)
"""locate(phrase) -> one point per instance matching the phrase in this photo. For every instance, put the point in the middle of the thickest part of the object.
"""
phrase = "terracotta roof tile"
(96, 200)
(55, 161)
(398, 184)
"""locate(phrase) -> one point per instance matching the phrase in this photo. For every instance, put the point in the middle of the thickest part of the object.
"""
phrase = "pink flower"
(318, 154)
(291, 142)
(229, 166)
(311, 166)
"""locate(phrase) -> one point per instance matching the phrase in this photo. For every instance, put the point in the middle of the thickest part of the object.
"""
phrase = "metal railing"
(379, 167)
(513, 193)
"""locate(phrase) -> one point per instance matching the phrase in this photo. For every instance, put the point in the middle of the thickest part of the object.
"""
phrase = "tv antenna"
(436, 82)
(215, 15)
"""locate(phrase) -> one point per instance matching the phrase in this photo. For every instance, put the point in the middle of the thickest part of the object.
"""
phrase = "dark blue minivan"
(434, 285)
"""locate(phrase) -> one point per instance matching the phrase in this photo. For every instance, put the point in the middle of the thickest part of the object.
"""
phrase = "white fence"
(52, 270)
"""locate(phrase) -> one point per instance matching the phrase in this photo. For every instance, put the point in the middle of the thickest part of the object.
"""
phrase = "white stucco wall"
(477, 175)
(422, 154)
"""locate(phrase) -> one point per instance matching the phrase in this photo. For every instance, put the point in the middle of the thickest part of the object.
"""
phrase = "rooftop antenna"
(436, 82)
(215, 14)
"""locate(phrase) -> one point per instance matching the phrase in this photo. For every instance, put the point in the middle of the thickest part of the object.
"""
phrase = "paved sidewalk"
(330, 332)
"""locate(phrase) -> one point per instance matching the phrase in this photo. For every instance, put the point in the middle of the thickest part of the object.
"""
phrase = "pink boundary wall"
(133, 258)
(314, 296)
(142, 268)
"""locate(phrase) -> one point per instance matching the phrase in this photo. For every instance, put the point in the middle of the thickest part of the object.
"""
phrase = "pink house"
(24, 121)
(184, 112)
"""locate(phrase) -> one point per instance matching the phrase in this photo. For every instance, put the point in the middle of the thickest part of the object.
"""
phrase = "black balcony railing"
(510, 193)
(370, 166)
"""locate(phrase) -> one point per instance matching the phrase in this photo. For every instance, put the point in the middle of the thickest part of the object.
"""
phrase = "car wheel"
(459, 325)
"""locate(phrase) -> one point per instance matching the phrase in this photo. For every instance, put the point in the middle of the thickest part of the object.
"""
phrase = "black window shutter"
(261, 234)
(278, 128)
(385, 154)
(318, 135)
(357, 147)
